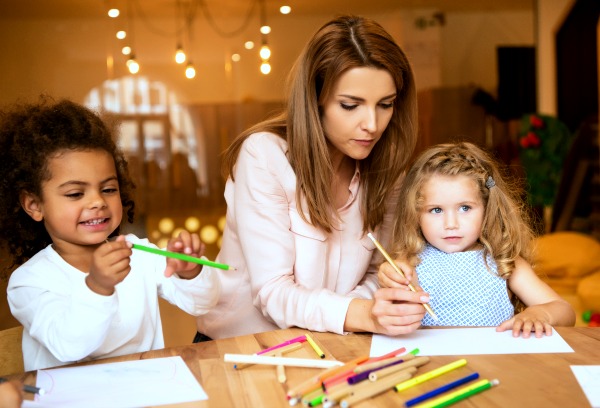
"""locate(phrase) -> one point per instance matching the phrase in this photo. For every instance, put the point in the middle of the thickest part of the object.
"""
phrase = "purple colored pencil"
(365, 374)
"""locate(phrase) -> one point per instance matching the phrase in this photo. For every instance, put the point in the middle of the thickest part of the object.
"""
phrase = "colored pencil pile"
(364, 378)
(346, 384)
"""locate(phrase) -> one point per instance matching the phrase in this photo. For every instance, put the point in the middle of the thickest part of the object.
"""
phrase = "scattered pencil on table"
(183, 257)
(281, 377)
(367, 390)
(431, 374)
(285, 361)
(298, 339)
(273, 353)
(315, 346)
(393, 264)
(441, 390)
(461, 394)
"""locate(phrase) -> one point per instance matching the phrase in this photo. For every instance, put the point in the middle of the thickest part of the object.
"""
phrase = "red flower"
(534, 140)
(530, 140)
(536, 122)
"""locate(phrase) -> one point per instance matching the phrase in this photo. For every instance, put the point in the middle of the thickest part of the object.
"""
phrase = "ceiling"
(59, 9)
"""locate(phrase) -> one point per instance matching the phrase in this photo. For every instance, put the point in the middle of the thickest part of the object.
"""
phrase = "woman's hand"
(188, 244)
(398, 310)
(110, 265)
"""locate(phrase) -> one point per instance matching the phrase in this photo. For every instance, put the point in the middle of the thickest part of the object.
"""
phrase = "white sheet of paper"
(589, 380)
(125, 384)
(468, 341)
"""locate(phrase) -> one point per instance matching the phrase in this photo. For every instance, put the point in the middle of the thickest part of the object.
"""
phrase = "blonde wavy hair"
(506, 232)
(341, 44)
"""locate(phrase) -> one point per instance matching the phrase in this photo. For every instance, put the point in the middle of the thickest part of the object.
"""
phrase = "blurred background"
(482, 67)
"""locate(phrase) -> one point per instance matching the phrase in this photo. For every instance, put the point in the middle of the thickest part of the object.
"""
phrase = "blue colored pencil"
(441, 390)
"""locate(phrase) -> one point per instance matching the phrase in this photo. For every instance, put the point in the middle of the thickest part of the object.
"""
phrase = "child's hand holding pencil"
(188, 244)
(184, 256)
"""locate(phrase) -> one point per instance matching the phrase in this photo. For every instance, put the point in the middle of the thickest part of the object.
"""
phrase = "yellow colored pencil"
(315, 346)
(431, 374)
(393, 264)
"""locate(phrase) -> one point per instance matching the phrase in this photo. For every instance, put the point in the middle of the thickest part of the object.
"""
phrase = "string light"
(180, 56)
(187, 16)
(190, 71)
(265, 51)
(133, 65)
(265, 67)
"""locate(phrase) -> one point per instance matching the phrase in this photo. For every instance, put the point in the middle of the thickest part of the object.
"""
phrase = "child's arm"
(189, 244)
(545, 308)
(11, 394)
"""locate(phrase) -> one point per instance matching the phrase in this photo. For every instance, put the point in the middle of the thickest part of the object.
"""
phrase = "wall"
(69, 57)
(550, 16)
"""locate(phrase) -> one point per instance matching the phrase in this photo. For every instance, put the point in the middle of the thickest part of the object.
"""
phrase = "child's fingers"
(390, 277)
(406, 269)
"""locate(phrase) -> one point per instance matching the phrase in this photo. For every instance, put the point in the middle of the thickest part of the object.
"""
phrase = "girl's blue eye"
(465, 208)
(436, 210)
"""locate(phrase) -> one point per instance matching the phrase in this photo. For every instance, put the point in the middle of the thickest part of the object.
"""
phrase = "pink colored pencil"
(285, 343)
(385, 356)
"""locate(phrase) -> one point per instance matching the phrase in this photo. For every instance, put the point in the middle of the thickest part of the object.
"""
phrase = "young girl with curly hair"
(64, 192)
(461, 224)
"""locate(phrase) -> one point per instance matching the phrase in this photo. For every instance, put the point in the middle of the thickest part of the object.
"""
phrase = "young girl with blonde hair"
(462, 225)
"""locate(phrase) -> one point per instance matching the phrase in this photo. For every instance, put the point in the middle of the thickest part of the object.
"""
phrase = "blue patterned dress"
(463, 291)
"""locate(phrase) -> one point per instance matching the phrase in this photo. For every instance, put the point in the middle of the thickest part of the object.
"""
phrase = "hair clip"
(490, 182)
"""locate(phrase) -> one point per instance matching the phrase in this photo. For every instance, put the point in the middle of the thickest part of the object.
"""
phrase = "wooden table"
(526, 380)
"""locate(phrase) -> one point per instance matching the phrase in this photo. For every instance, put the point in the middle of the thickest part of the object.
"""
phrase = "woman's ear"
(32, 205)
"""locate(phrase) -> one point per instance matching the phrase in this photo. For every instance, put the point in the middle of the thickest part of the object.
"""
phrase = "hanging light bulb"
(265, 67)
(133, 65)
(126, 50)
(114, 13)
(265, 52)
(190, 71)
(265, 29)
(121, 34)
(180, 56)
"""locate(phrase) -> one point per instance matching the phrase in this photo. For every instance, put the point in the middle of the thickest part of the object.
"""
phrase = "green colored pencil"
(183, 257)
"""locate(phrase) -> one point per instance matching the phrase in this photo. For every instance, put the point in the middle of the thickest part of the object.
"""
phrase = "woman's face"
(357, 112)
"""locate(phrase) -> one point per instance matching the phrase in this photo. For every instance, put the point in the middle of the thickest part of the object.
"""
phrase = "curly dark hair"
(30, 134)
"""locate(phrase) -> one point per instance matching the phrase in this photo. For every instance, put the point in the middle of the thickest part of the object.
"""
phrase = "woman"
(305, 187)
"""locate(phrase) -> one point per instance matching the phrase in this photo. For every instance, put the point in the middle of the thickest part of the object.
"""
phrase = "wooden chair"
(11, 354)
